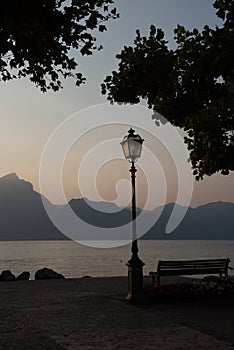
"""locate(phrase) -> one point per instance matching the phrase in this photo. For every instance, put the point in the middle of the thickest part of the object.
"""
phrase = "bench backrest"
(193, 267)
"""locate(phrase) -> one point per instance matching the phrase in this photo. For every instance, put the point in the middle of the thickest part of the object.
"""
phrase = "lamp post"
(132, 146)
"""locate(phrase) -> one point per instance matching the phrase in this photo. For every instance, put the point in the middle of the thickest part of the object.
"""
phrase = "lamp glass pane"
(134, 149)
(125, 149)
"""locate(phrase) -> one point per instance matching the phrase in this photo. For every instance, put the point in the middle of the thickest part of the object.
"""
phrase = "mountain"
(22, 214)
(210, 221)
(23, 217)
(100, 214)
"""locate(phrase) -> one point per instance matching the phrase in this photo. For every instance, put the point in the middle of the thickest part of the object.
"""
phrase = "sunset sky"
(91, 137)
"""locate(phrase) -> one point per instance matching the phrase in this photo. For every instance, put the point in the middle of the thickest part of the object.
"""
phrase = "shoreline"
(75, 261)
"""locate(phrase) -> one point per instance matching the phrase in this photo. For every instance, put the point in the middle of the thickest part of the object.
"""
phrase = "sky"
(70, 139)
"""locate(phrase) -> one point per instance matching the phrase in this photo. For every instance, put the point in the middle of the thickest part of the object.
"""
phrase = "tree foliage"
(37, 36)
(191, 86)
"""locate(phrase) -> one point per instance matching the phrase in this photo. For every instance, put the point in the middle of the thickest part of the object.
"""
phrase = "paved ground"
(90, 314)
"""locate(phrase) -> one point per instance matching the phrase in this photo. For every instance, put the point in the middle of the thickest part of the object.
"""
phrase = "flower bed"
(207, 287)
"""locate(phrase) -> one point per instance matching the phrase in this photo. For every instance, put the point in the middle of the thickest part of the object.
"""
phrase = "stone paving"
(92, 313)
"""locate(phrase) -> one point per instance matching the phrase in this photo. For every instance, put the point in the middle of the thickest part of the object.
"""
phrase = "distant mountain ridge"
(23, 217)
(210, 221)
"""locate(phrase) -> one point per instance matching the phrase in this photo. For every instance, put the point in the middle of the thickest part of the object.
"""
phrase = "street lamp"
(132, 146)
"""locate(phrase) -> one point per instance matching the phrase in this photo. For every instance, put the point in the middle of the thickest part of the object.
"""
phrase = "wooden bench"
(190, 267)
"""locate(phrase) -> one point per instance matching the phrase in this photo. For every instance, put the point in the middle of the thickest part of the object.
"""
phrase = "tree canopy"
(37, 36)
(191, 86)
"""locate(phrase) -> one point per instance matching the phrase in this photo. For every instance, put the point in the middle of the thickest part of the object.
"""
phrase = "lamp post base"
(135, 281)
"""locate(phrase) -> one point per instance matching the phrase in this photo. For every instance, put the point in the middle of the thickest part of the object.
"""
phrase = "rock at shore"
(24, 276)
(45, 274)
(7, 275)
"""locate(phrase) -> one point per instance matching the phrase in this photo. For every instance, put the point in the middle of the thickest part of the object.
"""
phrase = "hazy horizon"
(13, 174)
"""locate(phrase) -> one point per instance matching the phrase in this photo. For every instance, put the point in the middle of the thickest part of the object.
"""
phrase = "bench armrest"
(231, 268)
(153, 274)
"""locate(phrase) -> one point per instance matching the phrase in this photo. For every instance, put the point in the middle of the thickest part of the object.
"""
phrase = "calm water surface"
(76, 260)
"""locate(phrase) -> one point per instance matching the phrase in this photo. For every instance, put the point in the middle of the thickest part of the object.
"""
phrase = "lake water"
(75, 260)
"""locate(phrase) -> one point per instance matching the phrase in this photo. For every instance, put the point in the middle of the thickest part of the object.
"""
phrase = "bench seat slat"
(192, 262)
(189, 272)
(195, 263)
(192, 266)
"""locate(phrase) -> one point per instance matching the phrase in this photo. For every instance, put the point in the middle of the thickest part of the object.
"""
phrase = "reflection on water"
(76, 260)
